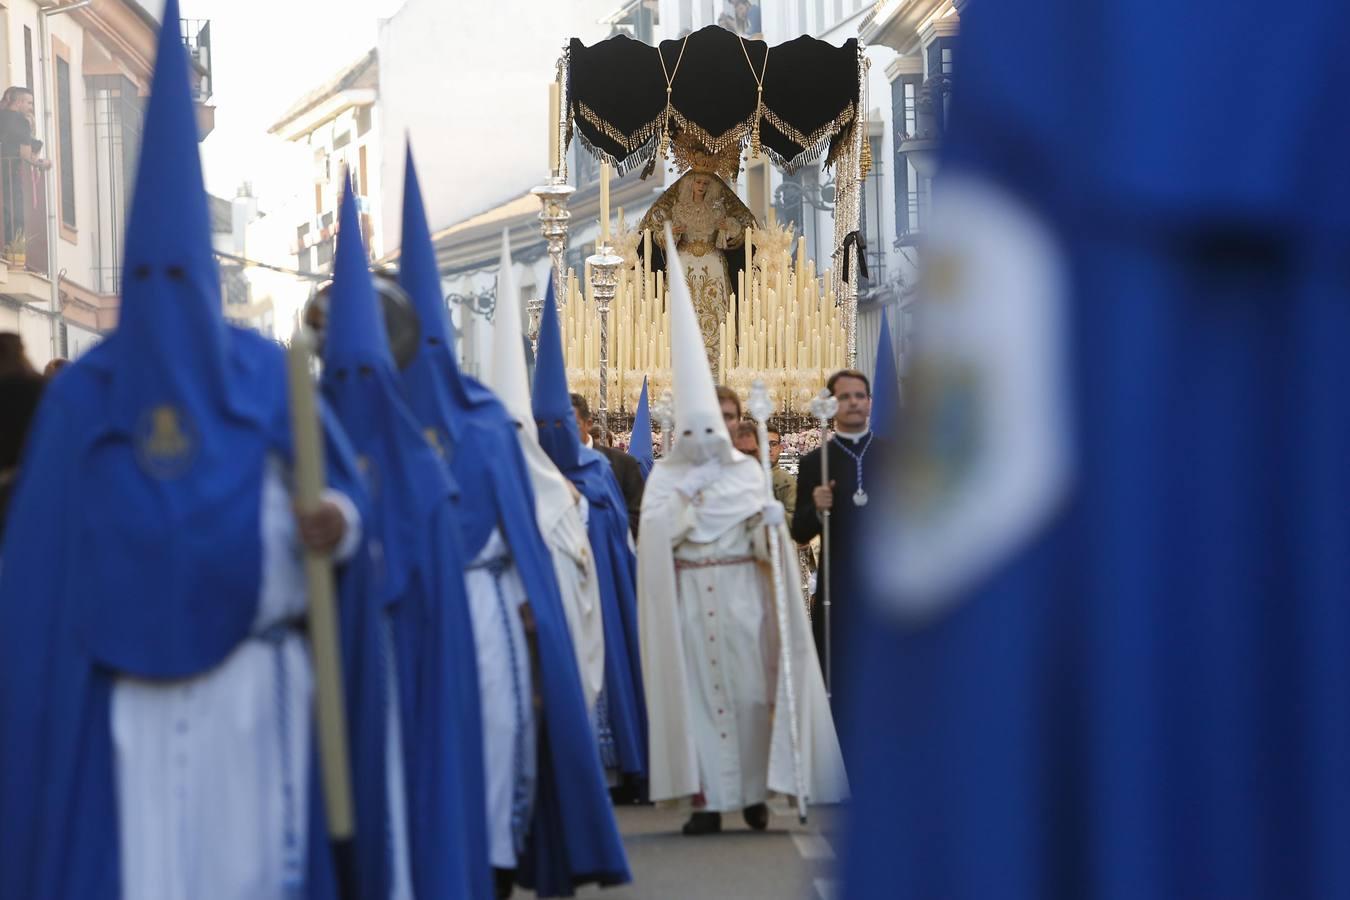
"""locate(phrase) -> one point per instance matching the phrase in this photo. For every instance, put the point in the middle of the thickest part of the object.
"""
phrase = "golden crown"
(691, 156)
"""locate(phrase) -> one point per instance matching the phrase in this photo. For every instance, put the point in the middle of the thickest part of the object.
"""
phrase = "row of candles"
(788, 329)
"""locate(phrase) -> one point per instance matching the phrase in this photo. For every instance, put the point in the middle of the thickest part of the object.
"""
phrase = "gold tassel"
(865, 163)
(754, 129)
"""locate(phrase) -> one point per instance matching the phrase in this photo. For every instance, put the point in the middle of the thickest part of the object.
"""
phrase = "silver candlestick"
(663, 411)
(535, 308)
(553, 219)
(604, 284)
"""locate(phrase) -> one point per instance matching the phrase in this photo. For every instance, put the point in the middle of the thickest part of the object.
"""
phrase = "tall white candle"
(554, 109)
(604, 202)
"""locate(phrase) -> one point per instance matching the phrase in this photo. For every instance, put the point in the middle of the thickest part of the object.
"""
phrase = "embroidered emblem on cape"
(166, 442)
(434, 439)
(984, 451)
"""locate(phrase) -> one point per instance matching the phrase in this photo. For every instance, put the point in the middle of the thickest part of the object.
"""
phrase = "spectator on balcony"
(18, 147)
(17, 127)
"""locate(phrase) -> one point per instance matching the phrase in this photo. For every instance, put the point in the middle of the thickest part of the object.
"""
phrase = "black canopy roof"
(617, 95)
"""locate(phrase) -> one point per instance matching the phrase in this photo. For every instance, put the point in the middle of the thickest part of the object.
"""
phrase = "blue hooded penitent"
(623, 736)
(885, 386)
(573, 838)
(418, 579)
(640, 441)
(134, 543)
(1150, 697)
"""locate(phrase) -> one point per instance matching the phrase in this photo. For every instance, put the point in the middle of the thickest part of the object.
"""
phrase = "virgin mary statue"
(709, 223)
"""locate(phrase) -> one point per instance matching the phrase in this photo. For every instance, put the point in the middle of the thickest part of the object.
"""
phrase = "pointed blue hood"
(188, 411)
(640, 442)
(355, 333)
(444, 401)
(436, 388)
(885, 386)
(558, 432)
(170, 338)
(362, 386)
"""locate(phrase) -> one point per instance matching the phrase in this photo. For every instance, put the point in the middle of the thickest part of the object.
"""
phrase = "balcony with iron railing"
(197, 38)
(23, 213)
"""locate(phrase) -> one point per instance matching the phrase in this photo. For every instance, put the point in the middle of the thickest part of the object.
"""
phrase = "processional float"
(701, 103)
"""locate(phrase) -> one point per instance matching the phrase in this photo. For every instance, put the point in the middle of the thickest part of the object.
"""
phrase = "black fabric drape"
(617, 95)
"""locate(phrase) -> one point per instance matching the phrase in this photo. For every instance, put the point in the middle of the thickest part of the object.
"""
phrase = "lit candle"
(646, 262)
(722, 357)
(604, 203)
(554, 110)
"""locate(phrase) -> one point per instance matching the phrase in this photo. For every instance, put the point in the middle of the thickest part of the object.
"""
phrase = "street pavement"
(787, 862)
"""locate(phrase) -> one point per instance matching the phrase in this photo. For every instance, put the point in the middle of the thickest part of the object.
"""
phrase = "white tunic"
(504, 681)
(730, 642)
(574, 564)
(718, 680)
(212, 772)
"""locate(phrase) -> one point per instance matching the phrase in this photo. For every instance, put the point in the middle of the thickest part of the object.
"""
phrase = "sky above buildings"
(266, 54)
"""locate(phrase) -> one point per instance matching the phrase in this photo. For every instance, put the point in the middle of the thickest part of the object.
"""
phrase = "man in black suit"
(625, 467)
(856, 460)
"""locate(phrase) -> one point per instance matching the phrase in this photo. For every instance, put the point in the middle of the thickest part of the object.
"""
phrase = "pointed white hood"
(553, 493)
(700, 434)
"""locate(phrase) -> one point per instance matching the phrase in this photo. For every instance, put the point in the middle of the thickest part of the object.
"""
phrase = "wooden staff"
(323, 625)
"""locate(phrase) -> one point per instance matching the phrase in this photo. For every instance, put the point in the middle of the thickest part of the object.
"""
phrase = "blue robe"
(416, 579)
(1151, 698)
(73, 617)
(573, 838)
(616, 567)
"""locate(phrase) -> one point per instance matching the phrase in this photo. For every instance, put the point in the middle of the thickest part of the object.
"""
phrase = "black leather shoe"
(757, 816)
(506, 882)
(703, 823)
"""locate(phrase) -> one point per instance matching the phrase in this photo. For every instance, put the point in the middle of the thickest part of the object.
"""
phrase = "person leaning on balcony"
(16, 144)
(17, 127)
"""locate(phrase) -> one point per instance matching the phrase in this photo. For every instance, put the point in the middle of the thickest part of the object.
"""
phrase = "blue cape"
(607, 527)
(573, 838)
(640, 442)
(885, 387)
(418, 579)
(58, 811)
(134, 544)
(1152, 697)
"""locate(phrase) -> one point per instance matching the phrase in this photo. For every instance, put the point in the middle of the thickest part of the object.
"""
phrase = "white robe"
(507, 699)
(564, 531)
(561, 513)
(711, 664)
(212, 772)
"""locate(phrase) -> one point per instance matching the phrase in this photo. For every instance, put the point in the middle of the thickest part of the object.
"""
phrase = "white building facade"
(337, 127)
(89, 69)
